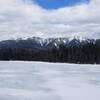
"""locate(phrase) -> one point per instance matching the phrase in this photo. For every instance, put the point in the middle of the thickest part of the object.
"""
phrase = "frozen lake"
(48, 81)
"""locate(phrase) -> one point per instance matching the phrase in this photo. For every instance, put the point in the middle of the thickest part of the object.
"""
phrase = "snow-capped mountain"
(41, 43)
(51, 49)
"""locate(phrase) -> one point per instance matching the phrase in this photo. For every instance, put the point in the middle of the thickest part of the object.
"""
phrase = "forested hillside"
(51, 49)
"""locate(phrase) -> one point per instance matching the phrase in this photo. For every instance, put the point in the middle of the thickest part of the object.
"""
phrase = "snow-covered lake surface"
(48, 81)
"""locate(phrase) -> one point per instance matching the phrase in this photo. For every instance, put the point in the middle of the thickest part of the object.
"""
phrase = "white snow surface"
(48, 81)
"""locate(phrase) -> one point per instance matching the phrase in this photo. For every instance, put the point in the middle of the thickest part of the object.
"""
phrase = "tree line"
(82, 52)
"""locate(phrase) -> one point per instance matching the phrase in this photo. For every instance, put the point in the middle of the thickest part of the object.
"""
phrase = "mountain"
(37, 43)
(51, 49)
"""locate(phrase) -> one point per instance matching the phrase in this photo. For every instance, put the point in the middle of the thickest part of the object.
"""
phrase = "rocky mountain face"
(51, 49)
(40, 43)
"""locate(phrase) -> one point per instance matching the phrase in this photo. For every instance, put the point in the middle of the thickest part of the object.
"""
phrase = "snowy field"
(48, 81)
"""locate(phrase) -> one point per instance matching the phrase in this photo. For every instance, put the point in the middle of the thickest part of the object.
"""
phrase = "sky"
(55, 4)
(49, 18)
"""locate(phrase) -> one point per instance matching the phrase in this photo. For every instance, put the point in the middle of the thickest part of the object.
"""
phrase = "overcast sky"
(49, 18)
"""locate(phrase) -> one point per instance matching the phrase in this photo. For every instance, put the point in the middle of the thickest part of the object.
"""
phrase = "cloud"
(24, 18)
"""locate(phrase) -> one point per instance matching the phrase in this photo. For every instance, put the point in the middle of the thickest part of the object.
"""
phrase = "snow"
(48, 81)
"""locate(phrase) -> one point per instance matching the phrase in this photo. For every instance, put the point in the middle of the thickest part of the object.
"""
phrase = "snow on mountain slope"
(42, 43)
(49, 81)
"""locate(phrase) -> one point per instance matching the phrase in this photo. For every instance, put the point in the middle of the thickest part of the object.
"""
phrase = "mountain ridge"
(51, 49)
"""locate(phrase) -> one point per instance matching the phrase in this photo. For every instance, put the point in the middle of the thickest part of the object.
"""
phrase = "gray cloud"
(23, 18)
